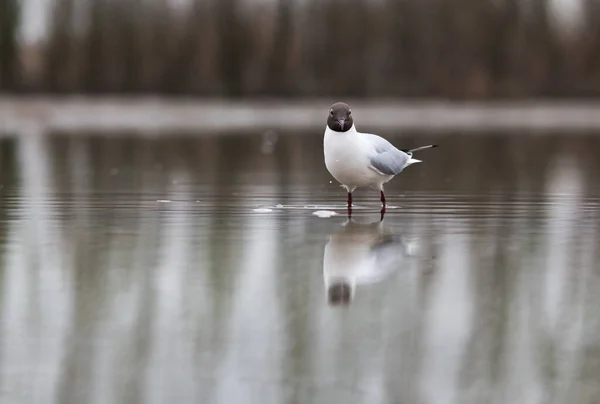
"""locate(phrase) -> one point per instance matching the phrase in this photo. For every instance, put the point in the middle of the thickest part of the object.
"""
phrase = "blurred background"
(457, 49)
(169, 232)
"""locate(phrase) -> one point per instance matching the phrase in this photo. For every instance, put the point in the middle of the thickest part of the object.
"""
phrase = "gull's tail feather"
(419, 148)
(411, 161)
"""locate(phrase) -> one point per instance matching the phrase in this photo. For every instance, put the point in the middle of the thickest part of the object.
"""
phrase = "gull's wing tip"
(430, 146)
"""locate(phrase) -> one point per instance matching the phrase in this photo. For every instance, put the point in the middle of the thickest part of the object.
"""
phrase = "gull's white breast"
(348, 159)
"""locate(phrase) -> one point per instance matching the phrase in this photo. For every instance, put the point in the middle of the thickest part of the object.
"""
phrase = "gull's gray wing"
(387, 159)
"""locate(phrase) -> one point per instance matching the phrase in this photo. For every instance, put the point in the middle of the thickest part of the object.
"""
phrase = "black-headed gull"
(358, 159)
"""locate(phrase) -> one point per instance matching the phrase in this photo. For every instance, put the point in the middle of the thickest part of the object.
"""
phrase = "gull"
(358, 159)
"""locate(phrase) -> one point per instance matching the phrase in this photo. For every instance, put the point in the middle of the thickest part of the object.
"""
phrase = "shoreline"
(152, 114)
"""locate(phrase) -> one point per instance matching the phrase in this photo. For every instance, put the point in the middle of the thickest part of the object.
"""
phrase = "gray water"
(192, 269)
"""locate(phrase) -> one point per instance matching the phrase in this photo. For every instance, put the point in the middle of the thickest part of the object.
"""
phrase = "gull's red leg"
(382, 205)
(349, 204)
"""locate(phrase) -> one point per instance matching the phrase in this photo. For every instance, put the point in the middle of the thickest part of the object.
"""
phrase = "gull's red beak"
(341, 122)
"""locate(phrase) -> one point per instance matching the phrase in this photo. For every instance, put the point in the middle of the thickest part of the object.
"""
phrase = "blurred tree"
(9, 47)
(500, 30)
(589, 49)
(93, 47)
(354, 46)
(127, 27)
(186, 47)
(278, 70)
(461, 49)
(159, 38)
(404, 52)
(546, 63)
(314, 59)
(233, 45)
(340, 36)
(58, 56)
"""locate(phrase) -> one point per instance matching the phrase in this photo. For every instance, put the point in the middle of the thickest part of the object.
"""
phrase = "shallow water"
(194, 270)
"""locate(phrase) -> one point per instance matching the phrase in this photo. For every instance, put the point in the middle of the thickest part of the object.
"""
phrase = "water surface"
(139, 270)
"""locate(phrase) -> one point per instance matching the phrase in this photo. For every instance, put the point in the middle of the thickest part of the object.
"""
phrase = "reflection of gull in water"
(360, 254)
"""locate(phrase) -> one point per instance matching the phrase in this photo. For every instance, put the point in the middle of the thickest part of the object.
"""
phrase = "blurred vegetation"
(460, 49)
(9, 48)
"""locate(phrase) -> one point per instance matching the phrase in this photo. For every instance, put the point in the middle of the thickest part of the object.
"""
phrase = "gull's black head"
(339, 294)
(340, 117)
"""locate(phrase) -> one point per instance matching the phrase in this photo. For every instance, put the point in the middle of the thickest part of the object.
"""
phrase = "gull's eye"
(331, 112)
(349, 112)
